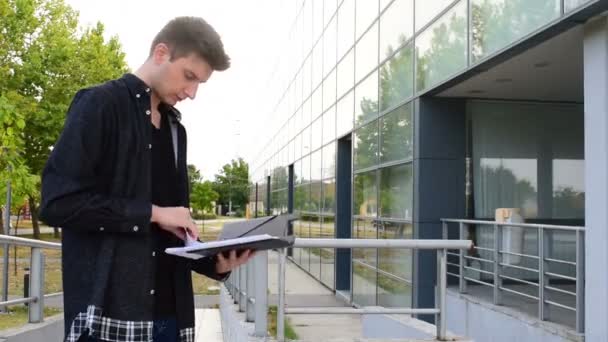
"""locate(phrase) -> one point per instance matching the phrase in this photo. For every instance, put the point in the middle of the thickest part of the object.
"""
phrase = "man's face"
(178, 79)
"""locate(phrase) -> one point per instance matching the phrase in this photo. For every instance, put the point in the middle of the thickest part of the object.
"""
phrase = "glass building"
(393, 115)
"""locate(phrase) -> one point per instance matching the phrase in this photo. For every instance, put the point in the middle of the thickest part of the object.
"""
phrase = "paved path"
(208, 325)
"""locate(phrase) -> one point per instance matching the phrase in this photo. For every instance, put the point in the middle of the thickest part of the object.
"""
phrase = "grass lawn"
(18, 316)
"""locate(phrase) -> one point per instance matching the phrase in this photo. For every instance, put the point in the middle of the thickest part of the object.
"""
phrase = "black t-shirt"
(165, 194)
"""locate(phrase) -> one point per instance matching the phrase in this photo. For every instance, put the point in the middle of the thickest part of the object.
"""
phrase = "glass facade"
(353, 68)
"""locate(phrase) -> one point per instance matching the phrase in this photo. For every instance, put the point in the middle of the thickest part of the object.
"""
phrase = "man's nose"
(191, 91)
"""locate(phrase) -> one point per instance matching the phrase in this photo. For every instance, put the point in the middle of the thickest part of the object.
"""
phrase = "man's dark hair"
(186, 35)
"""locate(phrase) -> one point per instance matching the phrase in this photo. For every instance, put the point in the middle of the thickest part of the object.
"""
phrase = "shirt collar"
(137, 87)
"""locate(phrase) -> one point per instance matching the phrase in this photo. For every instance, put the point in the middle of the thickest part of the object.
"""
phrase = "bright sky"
(230, 111)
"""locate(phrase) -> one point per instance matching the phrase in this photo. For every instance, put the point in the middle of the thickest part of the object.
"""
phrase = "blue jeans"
(165, 330)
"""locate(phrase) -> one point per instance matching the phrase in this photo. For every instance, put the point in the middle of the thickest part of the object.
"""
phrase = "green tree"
(47, 60)
(194, 176)
(203, 196)
(232, 184)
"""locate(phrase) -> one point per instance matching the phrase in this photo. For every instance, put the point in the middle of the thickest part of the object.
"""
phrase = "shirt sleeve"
(206, 267)
(70, 196)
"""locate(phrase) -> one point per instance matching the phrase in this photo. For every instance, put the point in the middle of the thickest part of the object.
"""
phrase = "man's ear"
(161, 53)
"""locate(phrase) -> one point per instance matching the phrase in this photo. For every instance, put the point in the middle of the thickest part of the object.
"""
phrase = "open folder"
(257, 234)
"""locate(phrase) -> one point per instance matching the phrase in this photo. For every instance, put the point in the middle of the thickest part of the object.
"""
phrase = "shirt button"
(149, 146)
(148, 112)
(136, 228)
(101, 229)
(153, 254)
(151, 292)
(147, 90)
(137, 95)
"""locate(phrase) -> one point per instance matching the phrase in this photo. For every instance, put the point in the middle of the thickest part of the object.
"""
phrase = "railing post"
(462, 282)
(236, 286)
(36, 308)
(281, 304)
(261, 294)
(542, 280)
(580, 282)
(249, 313)
(242, 288)
(440, 321)
(497, 279)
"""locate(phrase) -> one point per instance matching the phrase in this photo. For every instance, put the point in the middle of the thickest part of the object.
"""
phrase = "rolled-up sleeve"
(70, 186)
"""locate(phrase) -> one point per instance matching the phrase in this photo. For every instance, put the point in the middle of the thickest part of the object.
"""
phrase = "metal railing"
(36, 284)
(248, 285)
(549, 259)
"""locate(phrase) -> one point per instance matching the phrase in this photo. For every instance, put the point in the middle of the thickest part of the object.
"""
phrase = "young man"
(117, 183)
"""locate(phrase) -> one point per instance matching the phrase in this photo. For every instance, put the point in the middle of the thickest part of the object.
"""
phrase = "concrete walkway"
(208, 325)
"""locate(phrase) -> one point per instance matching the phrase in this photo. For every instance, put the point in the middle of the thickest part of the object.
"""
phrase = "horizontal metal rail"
(355, 311)
(504, 262)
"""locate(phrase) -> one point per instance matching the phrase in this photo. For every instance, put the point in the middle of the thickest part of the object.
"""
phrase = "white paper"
(193, 245)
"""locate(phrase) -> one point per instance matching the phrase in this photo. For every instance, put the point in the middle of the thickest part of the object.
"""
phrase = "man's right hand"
(176, 220)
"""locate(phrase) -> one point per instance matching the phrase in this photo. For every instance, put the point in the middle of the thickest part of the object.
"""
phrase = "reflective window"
(364, 194)
(426, 11)
(366, 53)
(317, 23)
(329, 90)
(306, 74)
(346, 27)
(317, 65)
(346, 73)
(329, 196)
(329, 9)
(316, 102)
(306, 169)
(396, 187)
(396, 26)
(396, 135)
(329, 125)
(306, 147)
(329, 161)
(329, 46)
(344, 114)
(364, 284)
(317, 134)
(569, 5)
(366, 146)
(394, 293)
(366, 99)
(315, 166)
(497, 23)
(397, 78)
(441, 50)
(367, 11)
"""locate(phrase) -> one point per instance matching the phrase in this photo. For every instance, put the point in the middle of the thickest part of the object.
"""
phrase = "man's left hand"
(227, 264)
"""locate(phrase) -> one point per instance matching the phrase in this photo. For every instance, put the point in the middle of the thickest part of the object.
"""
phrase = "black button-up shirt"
(97, 187)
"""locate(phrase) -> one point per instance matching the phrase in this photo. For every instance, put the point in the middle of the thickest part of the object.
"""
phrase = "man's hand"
(227, 264)
(176, 220)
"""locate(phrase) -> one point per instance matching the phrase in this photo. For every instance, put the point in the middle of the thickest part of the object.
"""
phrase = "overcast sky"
(233, 101)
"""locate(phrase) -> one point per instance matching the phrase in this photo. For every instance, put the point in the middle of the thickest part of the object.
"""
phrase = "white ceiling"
(550, 71)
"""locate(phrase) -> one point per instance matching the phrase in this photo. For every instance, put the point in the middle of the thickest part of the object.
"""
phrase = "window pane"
(344, 115)
(315, 166)
(329, 8)
(366, 53)
(367, 11)
(366, 99)
(364, 285)
(346, 26)
(329, 196)
(306, 74)
(298, 198)
(315, 253)
(316, 103)
(397, 262)
(306, 169)
(328, 261)
(366, 146)
(396, 138)
(396, 186)
(329, 46)
(329, 91)
(306, 148)
(393, 293)
(397, 78)
(441, 50)
(396, 26)
(329, 161)
(346, 73)
(329, 125)
(317, 24)
(498, 23)
(364, 196)
(317, 133)
(573, 4)
(365, 229)
(428, 10)
(317, 64)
